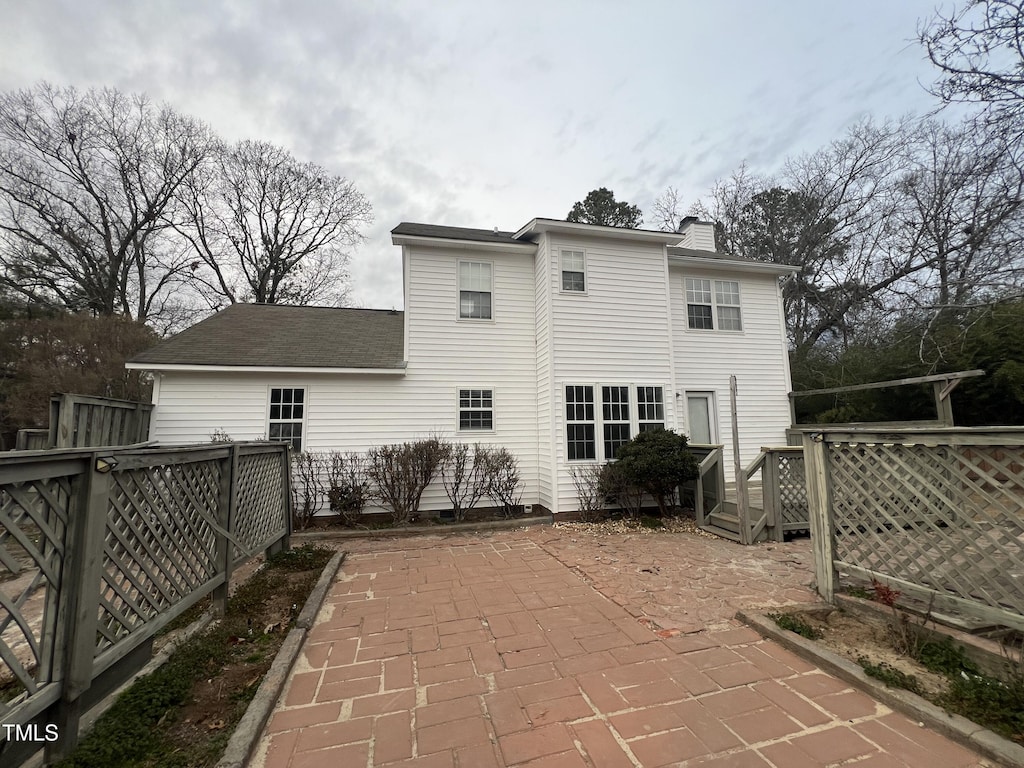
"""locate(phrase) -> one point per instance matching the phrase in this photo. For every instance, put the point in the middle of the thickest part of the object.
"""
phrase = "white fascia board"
(474, 245)
(260, 369)
(537, 226)
(726, 265)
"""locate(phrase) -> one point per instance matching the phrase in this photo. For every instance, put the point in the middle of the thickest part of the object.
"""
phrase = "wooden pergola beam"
(946, 378)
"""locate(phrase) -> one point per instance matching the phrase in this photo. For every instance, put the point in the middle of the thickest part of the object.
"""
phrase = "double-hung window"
(713, 304)
(476, 409)
(650, 406)
(574, 272)
(727, 302)
(287, 415)
(580, 423)
(615, 418)
(475, 290)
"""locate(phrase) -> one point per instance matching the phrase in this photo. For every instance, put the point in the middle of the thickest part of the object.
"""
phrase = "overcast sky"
(487, 114)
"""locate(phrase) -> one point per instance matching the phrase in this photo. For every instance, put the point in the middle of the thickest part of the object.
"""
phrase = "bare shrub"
(464, 476)
(347, 485)
(589, 495)
(307, 487)
(400, 474)
(220, 435)
(504, 483)
(616, 488)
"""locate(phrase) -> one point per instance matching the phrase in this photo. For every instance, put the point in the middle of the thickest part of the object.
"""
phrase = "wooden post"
(741, 480)
(76, 625)
(943, 403)
(770, 493)
(286, 540)
(227, 499)
(819, 503)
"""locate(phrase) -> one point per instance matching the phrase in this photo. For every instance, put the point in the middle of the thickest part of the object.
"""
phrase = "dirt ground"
(856, 637)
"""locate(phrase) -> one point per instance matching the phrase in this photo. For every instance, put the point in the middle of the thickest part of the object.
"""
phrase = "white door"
(699, 411)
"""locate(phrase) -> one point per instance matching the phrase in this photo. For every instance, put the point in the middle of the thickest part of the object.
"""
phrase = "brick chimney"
(699, 235)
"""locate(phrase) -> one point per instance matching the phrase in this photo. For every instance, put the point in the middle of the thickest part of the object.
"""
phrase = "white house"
(559, 341)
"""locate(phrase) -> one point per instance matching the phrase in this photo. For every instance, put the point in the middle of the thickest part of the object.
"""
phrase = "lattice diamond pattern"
(33, 529)
(792, 489)
(947, 517)
(261, 515)
(160, 543)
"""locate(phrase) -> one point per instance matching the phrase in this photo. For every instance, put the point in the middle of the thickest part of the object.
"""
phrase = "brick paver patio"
(501, 650)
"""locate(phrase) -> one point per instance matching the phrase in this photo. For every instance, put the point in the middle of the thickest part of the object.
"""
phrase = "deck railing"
(938, 515)
(100, 549)
(708, 488)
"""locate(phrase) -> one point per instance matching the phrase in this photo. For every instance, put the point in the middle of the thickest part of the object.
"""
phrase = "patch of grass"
(795, 624)
(892, 677)
(304, 558)
(651, 522)
(988, 702)
(945, 657)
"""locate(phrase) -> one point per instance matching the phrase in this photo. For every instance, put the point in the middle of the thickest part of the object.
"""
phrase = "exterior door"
(699, 411)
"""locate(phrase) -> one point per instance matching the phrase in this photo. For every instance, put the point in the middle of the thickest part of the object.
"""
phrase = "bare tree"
(979, 49)
(85, 180)
(963, 217)
(270, 229)
(668, 210)
(890, 217)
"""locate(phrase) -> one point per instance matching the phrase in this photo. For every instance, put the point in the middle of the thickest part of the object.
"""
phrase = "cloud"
(484, 114)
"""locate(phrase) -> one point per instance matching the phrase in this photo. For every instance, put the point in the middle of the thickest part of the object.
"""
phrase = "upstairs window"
(574, 272)
(474, 290)
(698, 304)
(287, 414)
(476, 409)
(579, 423)
(727, 302)
(615, 418)
(650, 406)
(707, 309)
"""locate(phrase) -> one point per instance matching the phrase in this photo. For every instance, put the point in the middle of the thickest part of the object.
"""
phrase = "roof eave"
(539, 226)
(276, 369)
(730, 265)
(475, 245)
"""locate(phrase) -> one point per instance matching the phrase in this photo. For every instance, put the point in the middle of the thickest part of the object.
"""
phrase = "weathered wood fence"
(937, 514)
(100, 549)
(708, 490)
(81, 421)
(773, 487)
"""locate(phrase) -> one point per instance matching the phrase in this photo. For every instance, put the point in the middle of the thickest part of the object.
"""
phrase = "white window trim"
(561, 269)
(599, 422)
(458, 292)
(458, 411)
(305, 412)
(715, 321)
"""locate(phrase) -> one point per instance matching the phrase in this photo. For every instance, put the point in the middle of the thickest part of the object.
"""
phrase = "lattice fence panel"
(160, 543)
(946, 518)
(793, 491)
(33, 531)
(260, 511)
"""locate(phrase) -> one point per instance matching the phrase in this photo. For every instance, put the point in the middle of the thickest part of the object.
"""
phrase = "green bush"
(657, 462)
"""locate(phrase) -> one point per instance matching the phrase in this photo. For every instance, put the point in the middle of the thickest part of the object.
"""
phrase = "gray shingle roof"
(276, 335)
(454, 233)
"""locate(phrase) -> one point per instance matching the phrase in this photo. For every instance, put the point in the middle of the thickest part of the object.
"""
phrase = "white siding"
(545, 424)
(757, 356)
(628, 328)
(354, 412)
(615, 334)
